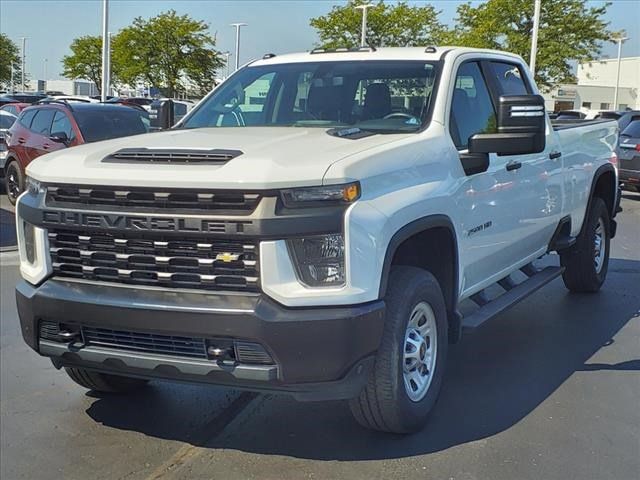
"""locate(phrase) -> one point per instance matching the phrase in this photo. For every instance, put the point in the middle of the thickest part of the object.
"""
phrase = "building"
(70, 87)
(595, 89)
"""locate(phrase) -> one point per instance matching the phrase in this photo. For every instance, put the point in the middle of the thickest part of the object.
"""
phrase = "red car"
(53, 125)
(15, 108)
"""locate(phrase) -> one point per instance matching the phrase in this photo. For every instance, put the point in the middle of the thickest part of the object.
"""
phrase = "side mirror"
(59, 137)
(161, 114)
(521, 128)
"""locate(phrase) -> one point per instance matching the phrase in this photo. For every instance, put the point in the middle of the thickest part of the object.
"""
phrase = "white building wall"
(595, 89)
(603, 72)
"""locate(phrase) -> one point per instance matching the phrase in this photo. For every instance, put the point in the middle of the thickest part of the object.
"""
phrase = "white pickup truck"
(323, 224)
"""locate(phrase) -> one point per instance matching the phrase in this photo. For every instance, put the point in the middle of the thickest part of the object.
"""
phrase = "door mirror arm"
(473, 163)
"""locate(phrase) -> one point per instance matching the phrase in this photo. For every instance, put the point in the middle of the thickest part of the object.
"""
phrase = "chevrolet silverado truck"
(323, 224)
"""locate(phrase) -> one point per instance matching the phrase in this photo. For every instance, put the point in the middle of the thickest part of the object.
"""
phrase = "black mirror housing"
(161, 114)
(521, 128)
(59, 137)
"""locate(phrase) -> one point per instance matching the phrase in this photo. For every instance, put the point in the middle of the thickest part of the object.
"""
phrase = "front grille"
(145, 342)
(156, 260)
(152, 200)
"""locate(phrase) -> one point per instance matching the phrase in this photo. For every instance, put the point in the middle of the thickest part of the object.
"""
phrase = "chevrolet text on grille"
(125, 222)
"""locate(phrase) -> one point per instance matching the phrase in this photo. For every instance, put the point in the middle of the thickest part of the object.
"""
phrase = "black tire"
(384, 403)
(13, 181)
(581, 274)
(103, 382)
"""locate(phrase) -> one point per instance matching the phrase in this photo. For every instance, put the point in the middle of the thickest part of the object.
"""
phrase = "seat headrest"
(377, 101)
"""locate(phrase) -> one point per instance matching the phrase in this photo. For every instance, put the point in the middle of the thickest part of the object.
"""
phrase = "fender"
(602, 169)
(417, 226)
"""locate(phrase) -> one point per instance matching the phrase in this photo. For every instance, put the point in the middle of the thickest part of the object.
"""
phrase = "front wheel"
(407, 375)
(587, 261)
(14, 182)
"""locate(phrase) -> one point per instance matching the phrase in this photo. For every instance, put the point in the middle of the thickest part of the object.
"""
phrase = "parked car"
(6, 121)
(14, 108)
(142, 101)
(72, 98)
(24, 97)
(54, 125)
(629, 155)
(324, 225)
(623, 118)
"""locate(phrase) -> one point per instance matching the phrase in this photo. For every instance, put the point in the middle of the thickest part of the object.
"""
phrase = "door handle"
(554, 155)
(513, 165)
(22, 140)
(46, 146)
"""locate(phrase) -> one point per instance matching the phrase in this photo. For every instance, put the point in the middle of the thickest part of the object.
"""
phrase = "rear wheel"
(587, 261)
(14, 181)
(103, 382)
(407, 375)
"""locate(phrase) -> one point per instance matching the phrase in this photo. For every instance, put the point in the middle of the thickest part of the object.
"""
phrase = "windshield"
(390, 96)
(100, 124)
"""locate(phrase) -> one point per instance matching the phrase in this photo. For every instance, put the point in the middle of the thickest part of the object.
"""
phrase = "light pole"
(363, 30)
(24, 46)
(534, 37)
(620, 38)
(226, 54)
(105, 51)
(238, 25)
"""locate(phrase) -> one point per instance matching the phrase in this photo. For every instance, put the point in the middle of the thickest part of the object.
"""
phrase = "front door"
(489, 202)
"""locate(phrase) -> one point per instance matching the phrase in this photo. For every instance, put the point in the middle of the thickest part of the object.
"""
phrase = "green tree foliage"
(570, 30)
(172, 52)
(398, 25)
(85, 60)
(9, 55)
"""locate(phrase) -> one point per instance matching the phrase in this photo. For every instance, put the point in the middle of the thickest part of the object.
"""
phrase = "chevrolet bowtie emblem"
(227, 257)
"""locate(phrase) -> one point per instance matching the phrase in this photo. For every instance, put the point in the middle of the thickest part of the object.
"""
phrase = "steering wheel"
(399, 115)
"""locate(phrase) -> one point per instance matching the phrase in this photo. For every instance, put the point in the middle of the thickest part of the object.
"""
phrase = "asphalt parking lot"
(549, 390)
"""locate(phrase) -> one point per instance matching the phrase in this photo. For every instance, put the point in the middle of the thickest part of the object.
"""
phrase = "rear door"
(38, 142)
(539, 175)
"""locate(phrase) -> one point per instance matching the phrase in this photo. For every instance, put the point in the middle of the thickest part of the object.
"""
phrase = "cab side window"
(471, 109)
(26, 118)
(41, 124)
(62, 124)
(509, 78)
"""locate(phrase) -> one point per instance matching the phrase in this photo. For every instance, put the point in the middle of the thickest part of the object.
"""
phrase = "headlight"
(34, 187)
(319, 260)
(320, 196)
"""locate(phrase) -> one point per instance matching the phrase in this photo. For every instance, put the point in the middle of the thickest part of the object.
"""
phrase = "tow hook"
(72, 337)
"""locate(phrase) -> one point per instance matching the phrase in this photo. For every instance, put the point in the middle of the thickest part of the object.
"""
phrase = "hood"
(272, 157)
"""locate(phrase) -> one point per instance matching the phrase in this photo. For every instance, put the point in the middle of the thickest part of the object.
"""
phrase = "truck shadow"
(496, 377)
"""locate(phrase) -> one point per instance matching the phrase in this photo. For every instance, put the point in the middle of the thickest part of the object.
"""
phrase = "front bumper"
(319, 353)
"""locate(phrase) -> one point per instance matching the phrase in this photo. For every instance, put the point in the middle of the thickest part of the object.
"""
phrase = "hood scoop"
(172, 156)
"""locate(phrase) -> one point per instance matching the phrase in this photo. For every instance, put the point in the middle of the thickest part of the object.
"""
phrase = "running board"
(511, 297)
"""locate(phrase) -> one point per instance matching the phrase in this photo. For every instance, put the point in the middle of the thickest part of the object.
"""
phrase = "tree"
(397, 25)
(9, 56)
(570, 30)
(172, 52)
(85, 60)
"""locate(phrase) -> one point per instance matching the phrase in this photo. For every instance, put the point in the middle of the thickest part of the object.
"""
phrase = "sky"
(274, 26)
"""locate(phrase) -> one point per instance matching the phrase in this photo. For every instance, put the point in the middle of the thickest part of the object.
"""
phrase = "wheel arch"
(604, 185)
(430, 243)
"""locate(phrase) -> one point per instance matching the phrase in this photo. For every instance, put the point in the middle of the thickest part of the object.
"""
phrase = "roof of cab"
(428, 54)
